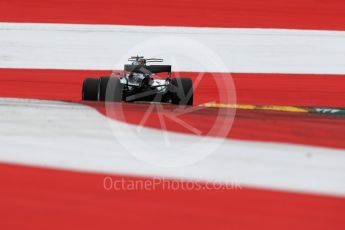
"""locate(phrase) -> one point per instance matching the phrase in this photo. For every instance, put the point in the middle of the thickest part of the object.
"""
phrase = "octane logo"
(168, 135)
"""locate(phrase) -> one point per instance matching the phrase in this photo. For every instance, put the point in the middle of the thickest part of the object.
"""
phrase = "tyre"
(90, 89)
(103, 83)
(182, 91)
(114, 90)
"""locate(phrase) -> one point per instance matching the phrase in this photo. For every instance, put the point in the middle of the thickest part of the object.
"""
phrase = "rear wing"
(151, 69)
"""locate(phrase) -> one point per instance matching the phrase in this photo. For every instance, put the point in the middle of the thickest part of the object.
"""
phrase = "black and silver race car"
(138, 83)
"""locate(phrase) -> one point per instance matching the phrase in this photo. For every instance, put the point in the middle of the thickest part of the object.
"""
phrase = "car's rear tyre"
(90, 89)
(114, 90)
(103, 83)
(182, 91)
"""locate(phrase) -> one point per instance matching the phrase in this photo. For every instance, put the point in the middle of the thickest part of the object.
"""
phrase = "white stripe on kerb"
(72, 46)
(77, 137)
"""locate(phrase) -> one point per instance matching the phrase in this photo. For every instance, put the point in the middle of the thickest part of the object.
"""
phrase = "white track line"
(71, 46)
(77, 137)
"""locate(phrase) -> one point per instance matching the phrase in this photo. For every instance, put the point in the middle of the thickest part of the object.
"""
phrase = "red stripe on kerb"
(260, 89)
(256, 89)
(293, 14)
(53, 199)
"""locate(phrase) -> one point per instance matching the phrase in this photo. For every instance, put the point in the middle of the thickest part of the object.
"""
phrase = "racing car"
(139, 82)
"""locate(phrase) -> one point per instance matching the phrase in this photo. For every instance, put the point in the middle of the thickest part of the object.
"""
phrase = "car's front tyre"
(182, 91)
